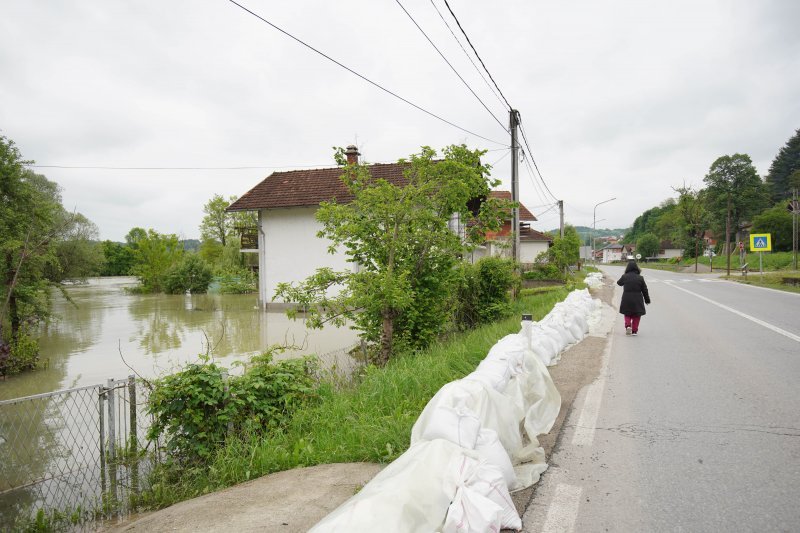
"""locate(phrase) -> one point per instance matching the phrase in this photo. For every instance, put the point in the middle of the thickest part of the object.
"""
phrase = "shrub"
(482, 291)
(240, 282)
(543, 271)
(19, 355)
(197, 408)
(191, 274)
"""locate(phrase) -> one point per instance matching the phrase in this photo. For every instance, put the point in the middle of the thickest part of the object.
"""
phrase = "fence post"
(133, 438)
(112, 441)
(101, 399)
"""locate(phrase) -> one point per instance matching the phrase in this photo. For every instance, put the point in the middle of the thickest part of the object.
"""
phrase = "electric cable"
(451, 66)
(489, 85)
(476, 53)
(525, 139)
(384, 89)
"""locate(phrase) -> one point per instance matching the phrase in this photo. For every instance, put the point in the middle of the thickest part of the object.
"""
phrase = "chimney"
(352, 154)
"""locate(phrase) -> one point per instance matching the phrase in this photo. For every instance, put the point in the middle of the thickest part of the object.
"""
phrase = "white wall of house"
(611, 254)
(529, 250)
(290, 250)
(670, 253)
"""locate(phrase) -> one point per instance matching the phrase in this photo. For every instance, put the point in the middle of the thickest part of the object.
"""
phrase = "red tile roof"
(524, 214)
(297, 188)
(309, 187)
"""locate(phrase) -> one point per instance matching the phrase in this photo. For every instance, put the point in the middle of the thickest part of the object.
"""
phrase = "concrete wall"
(670, 253)
(290, 249)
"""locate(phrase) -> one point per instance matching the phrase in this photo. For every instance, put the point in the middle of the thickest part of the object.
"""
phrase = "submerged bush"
(191, 274)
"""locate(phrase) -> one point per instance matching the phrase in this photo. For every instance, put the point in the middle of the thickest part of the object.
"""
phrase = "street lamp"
(594, 222)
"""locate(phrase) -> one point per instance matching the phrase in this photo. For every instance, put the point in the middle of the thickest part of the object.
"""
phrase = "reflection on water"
(85, 343)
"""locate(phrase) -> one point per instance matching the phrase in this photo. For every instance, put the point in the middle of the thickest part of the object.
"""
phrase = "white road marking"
(758, 321)
(587, 421)
(563, 509)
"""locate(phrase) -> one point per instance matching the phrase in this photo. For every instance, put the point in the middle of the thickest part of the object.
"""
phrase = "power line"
(476, 53)
(525, 139)
(384, 89)
(451, 66)
(99, 167)
(502, 157)
(489, 85)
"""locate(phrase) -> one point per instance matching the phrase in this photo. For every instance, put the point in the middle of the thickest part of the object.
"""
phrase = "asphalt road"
(694, 425)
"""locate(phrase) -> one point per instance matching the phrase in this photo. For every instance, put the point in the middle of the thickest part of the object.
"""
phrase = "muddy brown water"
(108, 330)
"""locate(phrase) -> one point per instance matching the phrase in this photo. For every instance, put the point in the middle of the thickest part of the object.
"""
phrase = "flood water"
(107, 331)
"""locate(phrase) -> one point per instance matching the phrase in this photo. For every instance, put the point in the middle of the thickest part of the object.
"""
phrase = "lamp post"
(594, 222)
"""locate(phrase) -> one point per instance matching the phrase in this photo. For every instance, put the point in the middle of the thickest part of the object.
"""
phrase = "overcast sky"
(618, 98)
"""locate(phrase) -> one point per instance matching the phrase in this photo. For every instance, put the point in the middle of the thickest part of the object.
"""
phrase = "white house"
(288, 247)
(668, 250)
(616, 252)
(531, 242)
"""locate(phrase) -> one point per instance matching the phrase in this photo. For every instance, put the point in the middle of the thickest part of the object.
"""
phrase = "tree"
(155, 254)
(693, 210)
(648, 245)
(191, 274)
(399, 238)
(216, 225)
(40, 245)
(657, 220)
(118, 259)
(565, 250)
(778, 221)
(77, 253)
(785, 163)
(735, 193)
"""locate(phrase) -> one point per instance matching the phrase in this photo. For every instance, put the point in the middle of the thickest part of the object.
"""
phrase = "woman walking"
(634, 296)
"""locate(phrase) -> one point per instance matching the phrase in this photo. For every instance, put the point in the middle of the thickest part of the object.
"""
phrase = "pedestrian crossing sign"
(760, 242)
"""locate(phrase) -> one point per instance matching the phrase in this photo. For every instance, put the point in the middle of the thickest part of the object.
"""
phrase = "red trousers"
(632, 322)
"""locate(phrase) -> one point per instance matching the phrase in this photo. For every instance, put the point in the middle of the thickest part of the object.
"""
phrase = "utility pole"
(795, 237)
(561, 217)
(513, 123)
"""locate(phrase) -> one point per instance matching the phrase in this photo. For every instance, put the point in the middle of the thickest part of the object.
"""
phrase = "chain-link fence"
(74, 456)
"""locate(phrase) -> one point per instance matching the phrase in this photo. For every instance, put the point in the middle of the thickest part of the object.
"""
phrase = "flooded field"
(107, 331)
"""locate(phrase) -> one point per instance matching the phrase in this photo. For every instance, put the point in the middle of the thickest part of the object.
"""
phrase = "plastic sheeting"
(476, 439)
(434, 486)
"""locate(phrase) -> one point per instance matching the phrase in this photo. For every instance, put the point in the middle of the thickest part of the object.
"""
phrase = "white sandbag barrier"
(477, 438)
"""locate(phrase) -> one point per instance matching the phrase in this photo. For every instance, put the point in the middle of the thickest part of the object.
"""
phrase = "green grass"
(770, 280)
(369, 419)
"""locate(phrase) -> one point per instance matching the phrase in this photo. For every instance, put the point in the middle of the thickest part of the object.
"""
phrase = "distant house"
(616, 252)
(668, 250)
(286, 242)
(498, 243)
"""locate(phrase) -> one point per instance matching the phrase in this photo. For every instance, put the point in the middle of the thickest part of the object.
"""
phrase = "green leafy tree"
(778, 221)
(565, 250)
(398, 235)
(659, 221)
(693, 210)
(77, 253)
(785, 163)
(118, 259)
(735, 193)
(155, 254)
(134, 236)
(219, 224)
(648, 245)
(40, 244)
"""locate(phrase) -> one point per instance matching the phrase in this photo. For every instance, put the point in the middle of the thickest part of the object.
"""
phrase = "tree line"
(734, 195)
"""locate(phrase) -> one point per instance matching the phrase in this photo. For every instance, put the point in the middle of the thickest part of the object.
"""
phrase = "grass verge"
(369, 419)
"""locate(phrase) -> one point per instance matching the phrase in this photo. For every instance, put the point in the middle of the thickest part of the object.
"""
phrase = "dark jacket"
(634, 291)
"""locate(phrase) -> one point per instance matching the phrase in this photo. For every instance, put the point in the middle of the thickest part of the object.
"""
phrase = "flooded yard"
(107, 330)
